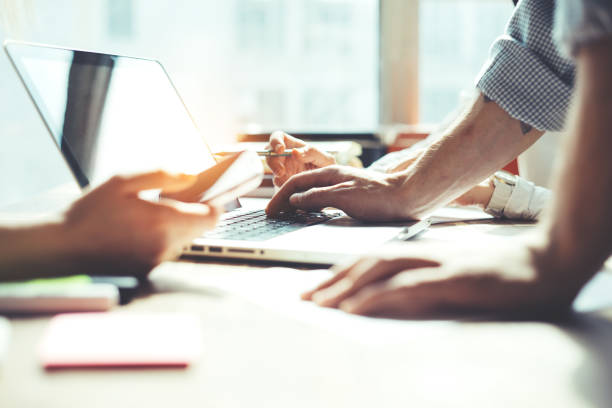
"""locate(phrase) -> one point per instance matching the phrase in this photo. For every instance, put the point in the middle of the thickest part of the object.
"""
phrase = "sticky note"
(121, 339)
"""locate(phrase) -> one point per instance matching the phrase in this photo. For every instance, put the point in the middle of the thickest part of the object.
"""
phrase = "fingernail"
(306, 295)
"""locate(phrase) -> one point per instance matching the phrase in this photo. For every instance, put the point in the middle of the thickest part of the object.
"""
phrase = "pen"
(269, 153)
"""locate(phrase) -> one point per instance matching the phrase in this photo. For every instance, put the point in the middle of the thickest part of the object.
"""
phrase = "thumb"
(154, 180)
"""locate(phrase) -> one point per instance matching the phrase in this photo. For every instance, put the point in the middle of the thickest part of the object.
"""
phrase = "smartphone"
(224, 182)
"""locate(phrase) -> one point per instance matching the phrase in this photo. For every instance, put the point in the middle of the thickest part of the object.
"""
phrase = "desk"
(255, 356)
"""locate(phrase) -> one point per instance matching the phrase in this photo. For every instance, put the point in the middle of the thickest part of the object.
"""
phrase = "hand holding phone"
(227, 180)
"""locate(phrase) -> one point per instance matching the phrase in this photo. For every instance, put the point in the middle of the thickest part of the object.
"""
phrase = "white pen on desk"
(269, 153)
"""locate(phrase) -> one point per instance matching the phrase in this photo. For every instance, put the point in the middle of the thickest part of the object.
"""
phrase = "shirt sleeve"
(525, 73)
(581, 22)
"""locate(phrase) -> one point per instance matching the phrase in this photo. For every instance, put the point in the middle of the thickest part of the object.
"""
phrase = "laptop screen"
(110, 114)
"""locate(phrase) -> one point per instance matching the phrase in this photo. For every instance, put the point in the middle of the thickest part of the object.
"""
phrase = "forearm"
(482, 141)
(580, 225)
(37, 251)
(396, 161)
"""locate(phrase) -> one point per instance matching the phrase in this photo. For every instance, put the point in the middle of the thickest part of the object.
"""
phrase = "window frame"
(399, 61)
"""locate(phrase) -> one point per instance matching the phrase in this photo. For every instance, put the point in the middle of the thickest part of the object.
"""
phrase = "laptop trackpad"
(342, 234)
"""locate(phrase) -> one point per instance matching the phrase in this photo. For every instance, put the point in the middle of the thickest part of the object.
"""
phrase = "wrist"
(406, 196)
(37, 251)
(487, 193)
(58, 243)
(558, 281)
(479, 196)
(563, 261)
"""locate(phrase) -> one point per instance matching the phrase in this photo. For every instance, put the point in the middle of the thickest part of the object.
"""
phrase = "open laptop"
(111, 114)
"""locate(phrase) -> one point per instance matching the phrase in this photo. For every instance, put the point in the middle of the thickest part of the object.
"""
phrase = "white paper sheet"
(5, 335)
(279, 289)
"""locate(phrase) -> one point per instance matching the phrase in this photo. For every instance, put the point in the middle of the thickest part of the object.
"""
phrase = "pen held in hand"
(269, 153)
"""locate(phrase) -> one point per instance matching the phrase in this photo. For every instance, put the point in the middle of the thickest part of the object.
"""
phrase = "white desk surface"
(258, 353)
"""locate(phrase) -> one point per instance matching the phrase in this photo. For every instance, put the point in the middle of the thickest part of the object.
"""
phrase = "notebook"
(121, 339)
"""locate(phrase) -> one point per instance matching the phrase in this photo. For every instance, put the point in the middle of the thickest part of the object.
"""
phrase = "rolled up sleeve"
(525, 74)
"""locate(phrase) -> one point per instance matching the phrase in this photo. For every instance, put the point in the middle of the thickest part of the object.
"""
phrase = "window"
(300, 65)
(431, 51)
(454, 39)
(120, 18)
(305, 65)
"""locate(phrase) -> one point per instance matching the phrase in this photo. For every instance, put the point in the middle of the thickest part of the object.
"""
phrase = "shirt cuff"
(526, 88)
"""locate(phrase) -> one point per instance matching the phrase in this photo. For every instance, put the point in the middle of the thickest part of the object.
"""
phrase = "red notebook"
(121, 339)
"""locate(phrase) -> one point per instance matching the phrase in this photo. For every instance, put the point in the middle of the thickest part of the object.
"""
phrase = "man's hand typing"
(362, 194)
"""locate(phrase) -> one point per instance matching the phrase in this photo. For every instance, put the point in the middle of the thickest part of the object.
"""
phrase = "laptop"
(111, 114)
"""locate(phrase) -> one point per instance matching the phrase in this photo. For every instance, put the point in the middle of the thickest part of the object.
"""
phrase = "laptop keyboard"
(256, 226)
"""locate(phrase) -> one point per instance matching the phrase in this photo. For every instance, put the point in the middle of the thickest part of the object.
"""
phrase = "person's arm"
(108, 231)
(397, 161)
(528, 86)
(529, 279)
(580, 226)
(481, 142)
(36, 251)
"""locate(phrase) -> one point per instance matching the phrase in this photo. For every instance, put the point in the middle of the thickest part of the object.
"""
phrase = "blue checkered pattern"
(526, 74)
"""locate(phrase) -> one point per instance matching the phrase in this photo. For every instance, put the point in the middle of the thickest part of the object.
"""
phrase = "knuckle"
(114, 185)
(273, 162)
(161, 174)
(278, 181)
(332, 170)
(310, 195)
(292, 180)
(117, 180)
(276, 136)
(375, 260)
(301, 198)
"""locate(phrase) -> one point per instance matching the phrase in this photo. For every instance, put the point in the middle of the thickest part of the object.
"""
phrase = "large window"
(251, 65)
(243, 64)
(454, 40)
